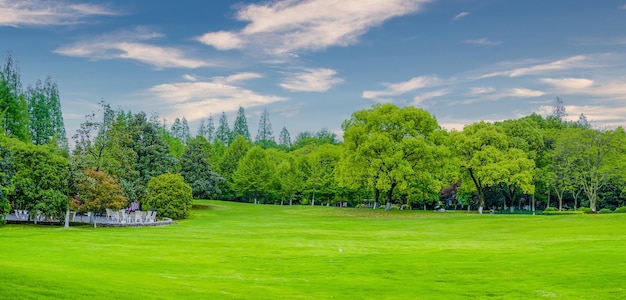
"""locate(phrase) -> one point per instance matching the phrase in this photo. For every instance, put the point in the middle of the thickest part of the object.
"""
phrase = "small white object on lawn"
(340, 250)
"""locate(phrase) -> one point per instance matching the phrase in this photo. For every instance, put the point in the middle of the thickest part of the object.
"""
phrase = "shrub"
(585, 209)
(550, 209)
(360, 205)
(170, 196)
(620, 210)
(395, 207)
(605, 211)
(562, 212)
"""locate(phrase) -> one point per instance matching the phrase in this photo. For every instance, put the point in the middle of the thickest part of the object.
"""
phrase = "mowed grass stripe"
(234, 250)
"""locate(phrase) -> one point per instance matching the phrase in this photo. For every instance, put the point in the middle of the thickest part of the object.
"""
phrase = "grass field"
(233, 250)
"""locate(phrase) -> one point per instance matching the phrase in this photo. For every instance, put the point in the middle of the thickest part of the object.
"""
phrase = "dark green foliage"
(585, 209)
(241, 125)
(605, 211)
(620, 210)
(197, 171)
(170, 196)
(7, 170)
(45, 116)
(13, 106)
(562, 212)
(41, 180)
(153, 155)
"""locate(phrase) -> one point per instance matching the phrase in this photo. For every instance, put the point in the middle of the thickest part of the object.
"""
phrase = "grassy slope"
(234, 250)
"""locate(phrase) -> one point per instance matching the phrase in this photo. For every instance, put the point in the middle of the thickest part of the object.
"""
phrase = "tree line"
(396, 156)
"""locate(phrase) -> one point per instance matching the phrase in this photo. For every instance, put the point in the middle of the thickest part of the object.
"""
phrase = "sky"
(312, 63)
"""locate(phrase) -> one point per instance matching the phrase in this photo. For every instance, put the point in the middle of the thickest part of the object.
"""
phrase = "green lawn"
(233, 250)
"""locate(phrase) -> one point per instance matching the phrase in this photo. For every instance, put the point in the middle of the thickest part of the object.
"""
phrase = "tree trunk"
(67, 218)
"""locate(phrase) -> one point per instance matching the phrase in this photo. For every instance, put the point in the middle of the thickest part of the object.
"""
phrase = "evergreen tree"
(223, 132)
(186, 134)
(196, 170)
(177, 129)
(241, 125)
(265, 136)
(13, 106)
(210, 130)
(284, 139)
(202, 130)
(45, 117)
(559, 109)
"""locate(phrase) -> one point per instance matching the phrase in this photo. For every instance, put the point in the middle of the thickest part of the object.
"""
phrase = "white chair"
(138, 216)
(121, 216)
(109, 214)
(151, 217)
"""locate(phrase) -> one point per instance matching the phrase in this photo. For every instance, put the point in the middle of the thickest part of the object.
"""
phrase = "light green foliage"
(170, 196)
(230, 161)
(595, 158)
(290, 177)
(487, 160)
(241, 125)
(384, 147)
(254, 174)
(197, 171)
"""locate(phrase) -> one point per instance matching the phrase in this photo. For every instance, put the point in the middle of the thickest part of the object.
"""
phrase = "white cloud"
(460, 15)
(222, 40)
(429, 95)
(578, 61)
(190, 77)
(522, 93)
(481, 90)
(282, 27)
(195, 100)
(42, 12)
(482, 42)
(596, 114)
(130, 45)
(394, 89)
(569, 83)
(623, 7)
(311, 80)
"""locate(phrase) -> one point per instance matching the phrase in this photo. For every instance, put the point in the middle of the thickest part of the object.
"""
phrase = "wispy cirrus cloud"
(395, 89)
(311, 80)
(623, 7)
(419, 99)
(460, 15)
(131, 45)
(578, 61)
(482, 42)
(44, 13)
(281, 27)
(200, 98)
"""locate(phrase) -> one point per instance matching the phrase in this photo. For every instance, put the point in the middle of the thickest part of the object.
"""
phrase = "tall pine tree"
(13, 106)
(210, 129)
(44, 112)
(241, 125)
(264, 133)
(284, 139)
(223, 133)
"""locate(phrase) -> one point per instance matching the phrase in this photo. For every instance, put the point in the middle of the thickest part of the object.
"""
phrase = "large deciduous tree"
(254, 174)
(384, 146)
(98, 191)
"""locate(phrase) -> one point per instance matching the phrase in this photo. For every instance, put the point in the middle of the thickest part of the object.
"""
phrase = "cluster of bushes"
(581, 210)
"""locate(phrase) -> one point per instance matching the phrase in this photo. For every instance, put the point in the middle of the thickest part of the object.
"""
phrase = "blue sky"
(312, 63)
